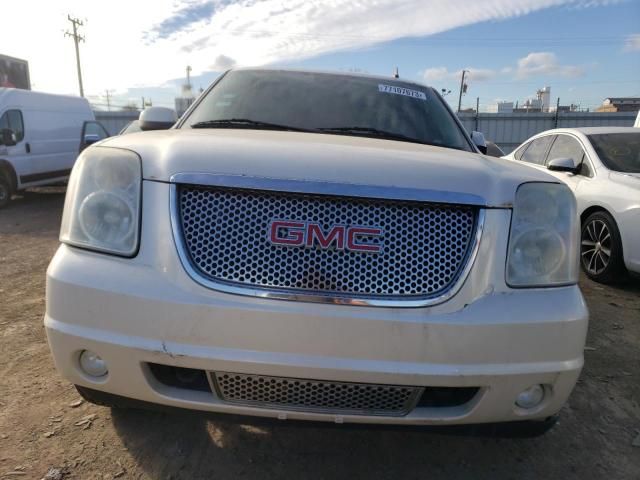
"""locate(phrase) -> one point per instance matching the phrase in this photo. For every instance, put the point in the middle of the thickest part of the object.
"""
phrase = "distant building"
(544, 97)
(542, 103)
(184, 101)
(182, 104)
(501, 107)
(532, 105)
(620, 104)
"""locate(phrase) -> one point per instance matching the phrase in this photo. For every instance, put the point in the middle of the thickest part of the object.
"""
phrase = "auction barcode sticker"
(407, 92)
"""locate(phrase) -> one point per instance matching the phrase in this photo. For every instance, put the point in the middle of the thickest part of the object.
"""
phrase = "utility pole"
(557, 112)
(463, 89)
(108, 95)
(77, 38)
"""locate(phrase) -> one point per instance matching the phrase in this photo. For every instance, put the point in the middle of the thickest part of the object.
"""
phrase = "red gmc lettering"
(352, 241)
(336, 234)
(298, 234)
(294, 232)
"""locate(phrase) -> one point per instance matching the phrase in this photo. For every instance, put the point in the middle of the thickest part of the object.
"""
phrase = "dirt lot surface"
(43, 425)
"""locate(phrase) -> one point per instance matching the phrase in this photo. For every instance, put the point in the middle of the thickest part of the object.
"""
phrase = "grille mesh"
(291, 393)
(424, 246)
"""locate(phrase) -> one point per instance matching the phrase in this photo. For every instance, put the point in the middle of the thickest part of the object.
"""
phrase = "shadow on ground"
(195, 445)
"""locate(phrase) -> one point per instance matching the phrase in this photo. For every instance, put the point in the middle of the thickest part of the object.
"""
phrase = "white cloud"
(534, 64)
(545, 63)
(222, 63)
(632, 42)
(144, 44)
(441, 74)
(436, 74)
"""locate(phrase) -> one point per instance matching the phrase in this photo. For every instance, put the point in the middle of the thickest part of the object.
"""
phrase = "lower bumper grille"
(315, 395)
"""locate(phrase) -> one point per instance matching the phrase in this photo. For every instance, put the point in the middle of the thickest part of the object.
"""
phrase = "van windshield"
(331, 104)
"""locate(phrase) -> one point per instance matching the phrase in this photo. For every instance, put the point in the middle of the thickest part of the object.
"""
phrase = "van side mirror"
(478, 139)
(157, 118)
(562, 164)
(8, 137)
(90, 139)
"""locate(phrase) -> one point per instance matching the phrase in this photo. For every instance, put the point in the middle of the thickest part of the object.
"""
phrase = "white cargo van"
(40, 137)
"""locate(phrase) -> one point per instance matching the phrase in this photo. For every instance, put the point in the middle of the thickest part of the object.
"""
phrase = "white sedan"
(602, 167)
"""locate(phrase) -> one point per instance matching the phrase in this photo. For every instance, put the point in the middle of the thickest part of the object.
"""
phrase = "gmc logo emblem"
(310, 234)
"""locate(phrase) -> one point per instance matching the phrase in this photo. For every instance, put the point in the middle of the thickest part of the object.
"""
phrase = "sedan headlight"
(102, 206)
(543, 242)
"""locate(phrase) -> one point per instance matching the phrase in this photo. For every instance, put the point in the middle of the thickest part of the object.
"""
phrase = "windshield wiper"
(374, 132)
(246, 123)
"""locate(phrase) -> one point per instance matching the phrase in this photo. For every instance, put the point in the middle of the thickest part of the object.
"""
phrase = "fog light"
(92, 364)
(531, 397)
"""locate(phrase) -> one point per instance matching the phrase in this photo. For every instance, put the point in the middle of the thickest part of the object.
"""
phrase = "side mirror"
(157, 118)
(8, 137)
(90, 139)
(478, 139)
(562, 164)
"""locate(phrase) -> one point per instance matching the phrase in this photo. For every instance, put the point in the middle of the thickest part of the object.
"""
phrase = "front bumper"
(133, 312)
(500, 343)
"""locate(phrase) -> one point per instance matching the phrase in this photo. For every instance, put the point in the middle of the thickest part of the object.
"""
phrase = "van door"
(18, 154)
(92, 132)
(54, 137)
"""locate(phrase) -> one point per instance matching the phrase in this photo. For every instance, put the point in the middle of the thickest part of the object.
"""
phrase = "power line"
(77, 38)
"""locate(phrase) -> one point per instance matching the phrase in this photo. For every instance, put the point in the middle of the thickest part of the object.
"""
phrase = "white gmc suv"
(317, 246)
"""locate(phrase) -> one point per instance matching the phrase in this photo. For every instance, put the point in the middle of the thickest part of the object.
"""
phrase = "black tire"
(601, 249)
(6, 190)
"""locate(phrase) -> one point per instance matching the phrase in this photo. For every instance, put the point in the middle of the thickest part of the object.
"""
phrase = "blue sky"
(591, 39)
(585, 50)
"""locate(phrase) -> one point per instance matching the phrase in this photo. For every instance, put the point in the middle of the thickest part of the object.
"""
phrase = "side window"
(537, 151)
(95, 129)
(566, 147)
(520, 151)
(585, 170)
(12, 119)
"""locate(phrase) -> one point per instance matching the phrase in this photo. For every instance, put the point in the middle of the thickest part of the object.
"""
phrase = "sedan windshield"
(618, 151)
(328, 103)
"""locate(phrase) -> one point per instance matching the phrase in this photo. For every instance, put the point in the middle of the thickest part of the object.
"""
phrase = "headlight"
(102, 207)
(543, 243)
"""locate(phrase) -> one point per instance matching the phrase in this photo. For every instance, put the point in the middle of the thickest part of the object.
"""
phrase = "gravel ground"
(44, 427)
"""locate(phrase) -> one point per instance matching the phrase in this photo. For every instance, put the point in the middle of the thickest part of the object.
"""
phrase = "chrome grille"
(309, 395)
(225, 233)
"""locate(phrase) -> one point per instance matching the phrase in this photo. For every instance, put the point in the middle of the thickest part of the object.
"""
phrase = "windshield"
(618, 151)
(328, 103)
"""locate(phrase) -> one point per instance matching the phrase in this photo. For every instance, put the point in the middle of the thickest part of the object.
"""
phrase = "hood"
(335, 159)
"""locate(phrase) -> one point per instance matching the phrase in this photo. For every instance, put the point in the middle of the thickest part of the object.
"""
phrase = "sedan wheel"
(596, 247)
(601, 249)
